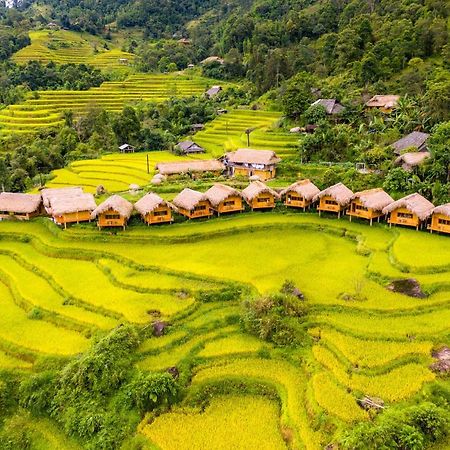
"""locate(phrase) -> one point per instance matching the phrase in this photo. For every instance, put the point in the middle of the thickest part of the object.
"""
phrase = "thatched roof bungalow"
(335, 199)
(20, 206)
(259, 196)
(385, 103)
(440, 219)
(189, 148)
(331, 105)
(248, 162)
(416, 139)
(300, 194)
(369, 204)
(412, 210)
(224, 199)
(50, 194)
(72, 209)
(113, 212)
(193, 204)
(154, 209)
(213, 91)
(410, 160)
(190, 167)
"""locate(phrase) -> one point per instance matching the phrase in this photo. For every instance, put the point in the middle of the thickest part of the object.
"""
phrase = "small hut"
(331, 105)
(300, 194)
(384, 103)
(176, 168)
(416, 139)
(260, 196)
(248, 162)
(410, 160)
(412, 211)
(189, 147)
(440, 219)
(213, 91)
(154, 209)
(197, 127)
(20, 206)
(113, 212)
(369, 204)
(334, 199)
(72, 209)
(193, 204)
(224, 199)
(126, 148)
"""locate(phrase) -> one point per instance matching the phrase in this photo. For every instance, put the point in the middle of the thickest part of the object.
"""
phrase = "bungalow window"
(295, 198)
(444, 222)
(112, 216)
(330, 202)
(160, 213)
(200, 208)
(263, 200)
(228, 203)
(405, 215)
(360, 208)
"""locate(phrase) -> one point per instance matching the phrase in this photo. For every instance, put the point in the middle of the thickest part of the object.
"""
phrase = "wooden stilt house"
(334, 199)
(193, 204)
(260, 196)
(412, 211)
(440, 219)
(20, 206)
(154, 209)
(224, 199)
(369, 204)
(300, 194)
(113, 212)
(75, 209)
(247, 162)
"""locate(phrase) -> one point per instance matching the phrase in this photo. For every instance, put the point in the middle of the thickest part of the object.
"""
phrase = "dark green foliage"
(37, 392)
(277, 318)
(231, 293)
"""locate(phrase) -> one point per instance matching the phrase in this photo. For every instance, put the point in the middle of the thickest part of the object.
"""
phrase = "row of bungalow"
(72, 205)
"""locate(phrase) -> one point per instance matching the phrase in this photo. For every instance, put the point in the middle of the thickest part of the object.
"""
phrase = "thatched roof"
(67, 205)
(415, 203)
(410, 160)
(375, 199)
(49, 195)
(250, 156)
(213, 91)
(305, 188)
(443, 209)
(256, 188)
(339, 192)
(172, 168)
(188, 199)
(383, 101)
(190, 147)
(115, 203)
(415, 139)
(219, 193)
(19, 203)
(331, 105)
(149, 203)
(211, 59)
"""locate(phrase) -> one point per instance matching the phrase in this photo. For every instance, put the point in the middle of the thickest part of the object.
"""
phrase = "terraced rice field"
(46, 110)
(227, 133)
(379, 345)
(64, 47)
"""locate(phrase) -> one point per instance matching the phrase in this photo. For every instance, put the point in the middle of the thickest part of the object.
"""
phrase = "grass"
(43, 109)
(227, 423)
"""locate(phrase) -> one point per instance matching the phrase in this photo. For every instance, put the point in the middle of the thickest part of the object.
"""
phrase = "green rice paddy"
(378, 345)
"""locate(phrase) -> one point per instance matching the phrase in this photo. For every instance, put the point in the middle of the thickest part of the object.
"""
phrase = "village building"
(193, 168)
(193, 204)
(224, 199)
(197, 127)
(212, 59)
(20, 206)
(126, 148)
(123, 61)
(72, 209)
(213, 91)
(300, 194)
(154, 209)
(369, 204)
(334, 199)
(50, 195)
(384, 103)
(416, 139)
(412, 211)
(260, 196)
(331, 105)
(189, 148)
(113, 212)
(184, 41)
(440, 219)
(408, 161)
(246, 162)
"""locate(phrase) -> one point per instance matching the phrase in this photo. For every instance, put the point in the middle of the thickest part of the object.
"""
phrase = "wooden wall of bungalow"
(404, 216)
(440, 219)
(328, 204)
(264, 200)
(161, 214)
(357, 209)
(73, 217)
(111, 218)
(233, 203)
(21, 215)
(264, 174)
(202, 209)
(293, 199)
